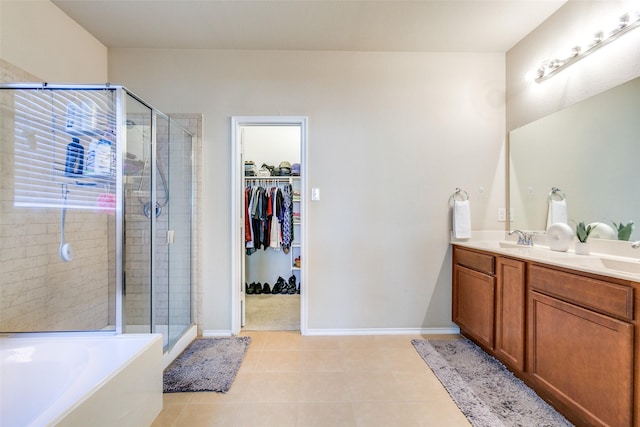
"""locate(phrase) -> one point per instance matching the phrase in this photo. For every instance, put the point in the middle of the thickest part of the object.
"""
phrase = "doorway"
(269, 156)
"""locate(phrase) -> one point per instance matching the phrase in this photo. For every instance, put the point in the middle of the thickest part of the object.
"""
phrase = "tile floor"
(291, 380)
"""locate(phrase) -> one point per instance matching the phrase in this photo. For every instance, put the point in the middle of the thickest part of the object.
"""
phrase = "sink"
(632, 267)
(510, 245)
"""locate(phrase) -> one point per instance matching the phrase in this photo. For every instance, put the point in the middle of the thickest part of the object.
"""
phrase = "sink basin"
(510, 245)
(632, 267)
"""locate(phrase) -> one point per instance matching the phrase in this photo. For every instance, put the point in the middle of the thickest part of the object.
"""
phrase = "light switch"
(315, 194)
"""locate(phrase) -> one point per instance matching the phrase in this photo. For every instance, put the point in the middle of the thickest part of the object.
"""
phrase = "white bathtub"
(80, 381)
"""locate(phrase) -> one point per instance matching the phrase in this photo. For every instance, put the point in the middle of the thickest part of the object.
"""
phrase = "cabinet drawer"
(604, 297)
(475, 260)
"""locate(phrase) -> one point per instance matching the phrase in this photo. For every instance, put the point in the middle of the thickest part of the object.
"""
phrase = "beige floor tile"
(403, 359)
(272, 387)
(250, 361)
(322, 361)
(168, 416)
(267, 415)
(320, 343)
(363, 360)
(279, 361)
(325, 414)
(372, 386)
(176, 399)
(357, 341)
(258, 340)
(286, 340)
(413, 386)
(405, 414)
(290, 380)
(207, 415)
(323, 387)
(394, 341)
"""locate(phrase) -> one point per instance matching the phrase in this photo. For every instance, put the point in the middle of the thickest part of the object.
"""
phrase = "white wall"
(39, 38)
(391, 135)
(574, 22)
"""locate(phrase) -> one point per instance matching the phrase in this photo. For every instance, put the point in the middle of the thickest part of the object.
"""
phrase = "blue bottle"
(75, 158)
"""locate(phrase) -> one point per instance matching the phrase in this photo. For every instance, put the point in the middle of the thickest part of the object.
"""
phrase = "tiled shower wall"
(38, 291)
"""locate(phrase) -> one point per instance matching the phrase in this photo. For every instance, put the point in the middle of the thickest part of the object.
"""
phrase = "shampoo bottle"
(103, 158)
(90, 169)
(74, 164)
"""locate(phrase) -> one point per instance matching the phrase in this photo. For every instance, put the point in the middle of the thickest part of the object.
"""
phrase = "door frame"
(237, 214)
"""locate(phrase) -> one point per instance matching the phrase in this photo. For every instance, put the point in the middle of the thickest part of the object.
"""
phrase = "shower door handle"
(170, 237)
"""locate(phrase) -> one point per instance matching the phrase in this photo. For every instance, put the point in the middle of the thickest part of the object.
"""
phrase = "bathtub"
(113, 380)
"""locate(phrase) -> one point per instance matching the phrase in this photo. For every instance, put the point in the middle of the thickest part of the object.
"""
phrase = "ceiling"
(334, 25)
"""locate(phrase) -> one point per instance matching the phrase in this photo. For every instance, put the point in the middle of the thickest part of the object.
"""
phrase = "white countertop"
(621, 267)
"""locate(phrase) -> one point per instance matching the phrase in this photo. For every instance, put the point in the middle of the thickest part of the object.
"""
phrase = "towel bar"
(458, 193)
(555, 191)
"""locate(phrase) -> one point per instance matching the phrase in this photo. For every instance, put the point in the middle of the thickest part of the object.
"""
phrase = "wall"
(391, 135)
(574, 22)
(38, 37)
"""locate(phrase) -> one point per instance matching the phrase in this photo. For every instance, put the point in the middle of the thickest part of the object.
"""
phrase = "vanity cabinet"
(488, 303)
(574, 337)
(580, 351)
(474, 287)
(510, 312)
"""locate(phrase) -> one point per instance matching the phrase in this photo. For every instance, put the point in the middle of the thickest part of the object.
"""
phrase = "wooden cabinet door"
(473, 304)
(583, 358)
(510, 312)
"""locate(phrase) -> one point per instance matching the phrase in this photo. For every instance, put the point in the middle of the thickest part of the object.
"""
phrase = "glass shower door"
(137, 251)
(179, 235)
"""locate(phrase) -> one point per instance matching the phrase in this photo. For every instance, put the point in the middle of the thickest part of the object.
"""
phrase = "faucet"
(635, 245)
(524, 238)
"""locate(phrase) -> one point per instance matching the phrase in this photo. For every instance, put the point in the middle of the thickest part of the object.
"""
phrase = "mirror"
(591, 152)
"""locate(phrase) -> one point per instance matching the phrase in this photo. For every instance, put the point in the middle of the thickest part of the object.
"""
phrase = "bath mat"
(486, 392)
(207, 364)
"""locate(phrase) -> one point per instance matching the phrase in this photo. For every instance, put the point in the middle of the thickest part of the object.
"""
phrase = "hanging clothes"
(275, 225)
(287, 218)
(269, 218)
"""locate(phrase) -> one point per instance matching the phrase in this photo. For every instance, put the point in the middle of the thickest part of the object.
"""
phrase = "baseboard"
(385, 331)
(216, 333)
(338, 332)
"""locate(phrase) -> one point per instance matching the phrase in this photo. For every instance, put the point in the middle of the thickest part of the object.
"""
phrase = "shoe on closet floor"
(257, 289)
(277, 288)
(266, 289)
(249, 289)
(291, 286)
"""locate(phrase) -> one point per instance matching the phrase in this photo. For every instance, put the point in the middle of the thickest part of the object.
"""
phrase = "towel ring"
(461, 194)
(556, 192)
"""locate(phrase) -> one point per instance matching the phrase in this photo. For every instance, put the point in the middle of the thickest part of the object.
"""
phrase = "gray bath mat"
(207, 364)
(486, 392)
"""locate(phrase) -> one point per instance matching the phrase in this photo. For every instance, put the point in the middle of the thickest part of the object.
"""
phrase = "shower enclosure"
(95, 213)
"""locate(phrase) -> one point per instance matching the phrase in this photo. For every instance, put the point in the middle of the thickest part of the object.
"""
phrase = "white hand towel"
(557, 212)
(461, 219)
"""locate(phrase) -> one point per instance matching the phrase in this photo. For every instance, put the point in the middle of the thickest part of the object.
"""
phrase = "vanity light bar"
(550, 67)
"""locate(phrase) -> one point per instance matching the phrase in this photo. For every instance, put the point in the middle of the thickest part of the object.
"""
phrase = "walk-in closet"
(271, 241)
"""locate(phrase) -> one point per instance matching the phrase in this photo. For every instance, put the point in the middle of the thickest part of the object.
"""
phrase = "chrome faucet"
(524, 238)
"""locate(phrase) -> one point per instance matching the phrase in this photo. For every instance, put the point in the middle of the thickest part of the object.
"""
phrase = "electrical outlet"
(502, 214)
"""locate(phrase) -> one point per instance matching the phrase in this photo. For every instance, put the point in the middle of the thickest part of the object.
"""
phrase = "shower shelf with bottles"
(65, 146)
